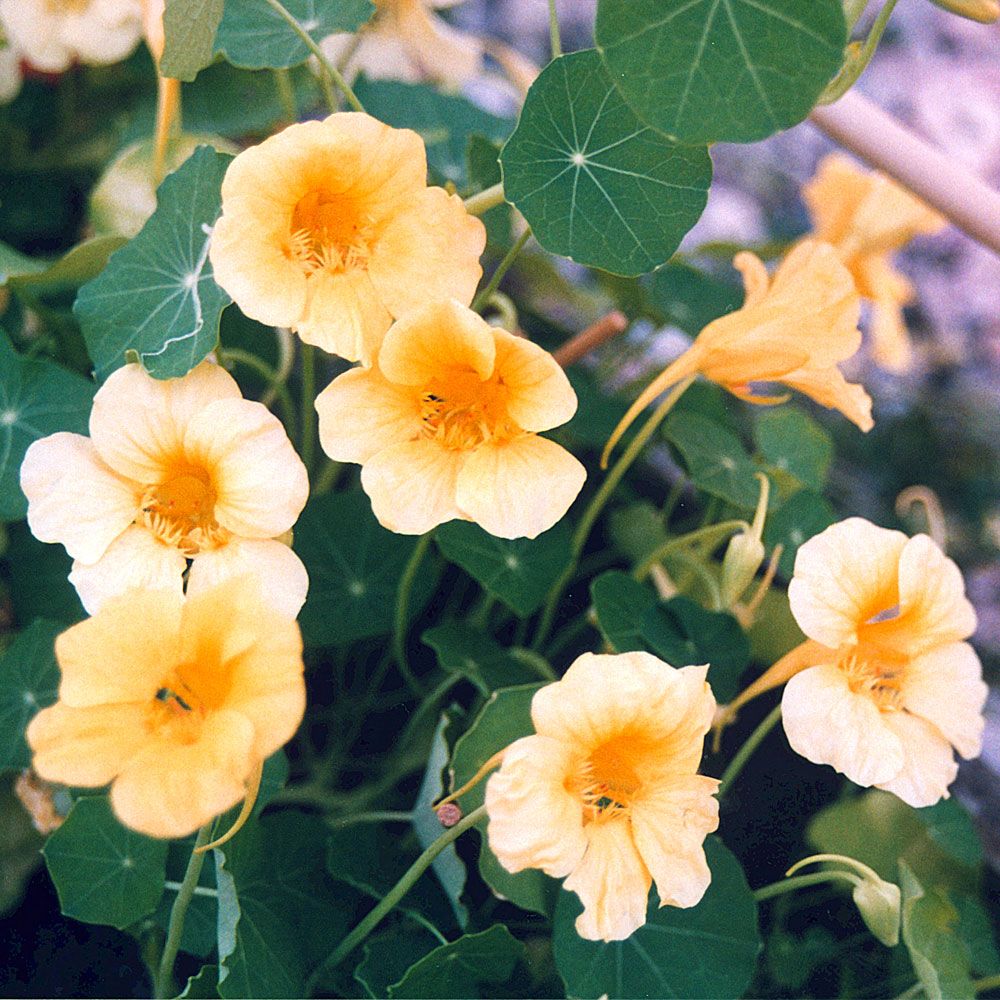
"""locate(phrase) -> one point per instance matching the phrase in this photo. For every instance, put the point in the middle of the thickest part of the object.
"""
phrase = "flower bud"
(878, 903)
(745, 552)
(984, 11)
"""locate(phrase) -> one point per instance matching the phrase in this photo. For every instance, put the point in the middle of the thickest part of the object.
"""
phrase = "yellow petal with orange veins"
(123, 654)
(413, 486)
(612, 883)
(438, 339)
(361, 412)
(73, 497)
(85, 746)
(945, 686)
(756, 280)
(283, 579)
(540, 396)
(138, 421)
(428, 251)
(519, 488)
(259, 482)
(845, 576)
(170, 789)
(929, 765)
(827, 723)
(136, 559)
(891, 345)
(534, 821)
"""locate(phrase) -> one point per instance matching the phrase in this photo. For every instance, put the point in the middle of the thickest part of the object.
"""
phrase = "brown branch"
(606, 328)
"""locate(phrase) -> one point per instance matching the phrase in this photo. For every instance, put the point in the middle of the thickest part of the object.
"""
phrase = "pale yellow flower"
(174, 471)
(53, 34)
(607, 794)
(10, 74)
(445, 425)
(867, 217)
(891, 687)
(793, 329)
(175, 702)
(329, 228)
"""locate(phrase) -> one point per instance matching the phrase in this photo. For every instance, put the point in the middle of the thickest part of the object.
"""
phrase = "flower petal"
(540, 396)
(439, 50)
(519, 488)
(534, 821)
(74, 498)
(929, 765)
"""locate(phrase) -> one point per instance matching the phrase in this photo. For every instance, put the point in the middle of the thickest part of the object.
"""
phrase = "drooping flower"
(793, 329)
(445, 425)
(329, 228)
(607, 794)
(174, 701)
(174, 470)
(889, 685)
(867, 217)
(53, 34)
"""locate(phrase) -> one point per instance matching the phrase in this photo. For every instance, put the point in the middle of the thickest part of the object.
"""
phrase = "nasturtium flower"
(792, 329)
(892, 686)
(329, 228)
(176, 702)
(445, 425)
(174, 471)
(606, 794)
(53, 34)
(867, 217)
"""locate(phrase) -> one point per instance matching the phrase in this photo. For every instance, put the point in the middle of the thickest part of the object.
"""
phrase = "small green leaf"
(721, 70)
(14, 263)
(794, 444)
(253, 35)
(76, 267)
(189, 28)
(29, 681)
(519, 571)
(621, 604)
(354, 567)
(157, 294)
(691, 299)
(801, 516)
(463, 968)
(709, 951)
(637, 529)
(388, 956)
(471, 653)
(37, 397)
(103, 872)
(595, 183)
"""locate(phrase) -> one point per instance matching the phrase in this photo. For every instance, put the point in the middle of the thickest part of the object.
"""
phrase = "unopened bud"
(984, 11)
(449, 814)
(879, 904)
(38, 800)
(745, 552)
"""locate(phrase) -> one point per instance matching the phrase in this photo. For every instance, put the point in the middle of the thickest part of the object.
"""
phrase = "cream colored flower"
(173, 471)
(53, 34)
(445, 425)
(893, 687)
(607, 794)
(329, 228)
(10, 74)
(867, 217)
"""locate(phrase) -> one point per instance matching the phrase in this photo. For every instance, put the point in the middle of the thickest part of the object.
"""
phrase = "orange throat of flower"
(606, 782)
(180, 511)
(330, 233)
(461, 411)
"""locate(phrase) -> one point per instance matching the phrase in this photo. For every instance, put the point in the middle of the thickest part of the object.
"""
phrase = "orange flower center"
(607, 781)
(330, 232)
(461, 411)
(186, 697)
(875, 666)
(180, 511)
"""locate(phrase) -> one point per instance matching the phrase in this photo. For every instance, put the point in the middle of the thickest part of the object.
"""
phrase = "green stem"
(554, 38)
(987, 983)
(329, 69)
(199, 890)
(286, 94)
(803, 881)
(385, 816)
(327, 479)
(746, 751)
(483, 201)
(858, 57)
(713, 532)
(428, 703)
(853, 9)
(275, 385)
(502, 268)
(697, 571)
(308, 440)
(403, 613)
(164, 986)
(914, 991)
(395, 894)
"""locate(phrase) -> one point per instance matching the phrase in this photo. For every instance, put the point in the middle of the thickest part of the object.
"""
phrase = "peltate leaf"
(189, 28)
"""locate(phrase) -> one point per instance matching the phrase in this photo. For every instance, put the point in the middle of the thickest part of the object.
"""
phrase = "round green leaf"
(801, 516)
(595, 183)
(709, 951)
(721, 70)
(621, 604)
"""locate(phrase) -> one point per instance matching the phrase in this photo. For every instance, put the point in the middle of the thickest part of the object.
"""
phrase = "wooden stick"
(607, 327)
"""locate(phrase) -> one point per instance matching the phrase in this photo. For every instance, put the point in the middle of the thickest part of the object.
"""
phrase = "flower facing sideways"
(889, 687)
(175, 470)
(606, 793)
(329, 228)
(175, 702)
(793, 329)
(867, 217)
(445, 426)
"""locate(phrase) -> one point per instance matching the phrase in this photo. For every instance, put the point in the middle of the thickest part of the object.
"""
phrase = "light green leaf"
(37, 397)
(801, 516)
(621, 604)
(709, 951)
(721, 70)
(189, 28)
(29, 681)
(354, 567)
(463, 968)
(253, 35)
(952, 829)
(519, 571)
(84, 261)
(13, 263)
(794, 445)
(157, 295)
(472, 653)
(595, 183)
(103, 872)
